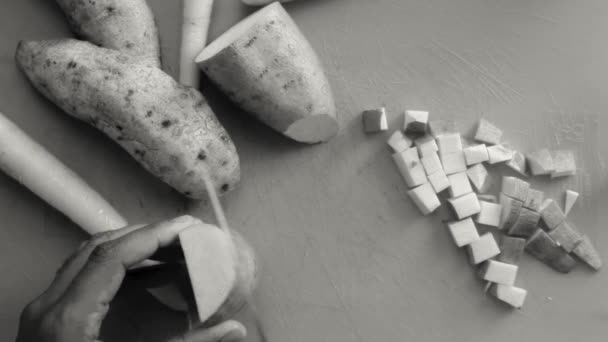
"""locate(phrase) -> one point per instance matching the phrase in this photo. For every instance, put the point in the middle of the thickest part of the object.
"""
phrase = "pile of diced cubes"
(433, 158)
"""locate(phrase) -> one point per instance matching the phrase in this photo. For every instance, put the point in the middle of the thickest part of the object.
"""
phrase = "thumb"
(228, 331)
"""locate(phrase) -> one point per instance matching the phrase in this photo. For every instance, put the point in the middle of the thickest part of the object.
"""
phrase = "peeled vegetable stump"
(415, 121)
(168, 128)
(196, 17)
(124, 25)
(483, 249)
(222, 269)
(488, 133)
(375, 120)
(399, 142)
(266, 66)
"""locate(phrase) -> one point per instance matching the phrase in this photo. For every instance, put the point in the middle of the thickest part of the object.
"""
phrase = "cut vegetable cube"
(552, 214)
(438, 128)
(478, 174)
(426, 145)
(511, 295)
(425, 198)
(483, 249)
(515, 188)
(587, 253)
(449, 143)
(453, 163)
(566, 236)
(498, 272)
(510, 211)
(399, 142)
(410, 167)
(543, 248)
(487, 198)
(499, 154)
(463, 232)
(465, 206)
(540, 162)
(534, 199)
(488, 133)
(526, 224)
(518, 163)
(409, 157)
(431, 163)
(459, 184)
(564, 163)
(415, 121)
(489, 214)
(476, 154)
(511, 249)
(439, 181)
(571, 197)
(375, 120)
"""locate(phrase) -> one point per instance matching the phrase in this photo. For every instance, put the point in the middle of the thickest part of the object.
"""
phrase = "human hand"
(74, 306)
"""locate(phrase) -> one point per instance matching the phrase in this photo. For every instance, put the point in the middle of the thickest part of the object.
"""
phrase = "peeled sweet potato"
(168, 128)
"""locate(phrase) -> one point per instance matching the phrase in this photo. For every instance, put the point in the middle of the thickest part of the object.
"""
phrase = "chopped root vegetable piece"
(511, 295)
(518, 163)
(483, 249)
(534, 199)
(476, 154)
(374, 120)
(566, 236)
(425, 198)
(515, 188)
(540, 162)
(399, 142)
(498, 272)
(453, 162)
(552, 214)
(510, 211)
(487, 198)
(489, 214)
(564, 163)
(463, 232)
(478, 174)
(499, 154)
(526, 224)
(431, 163)
(571, 197)
(450, 143)
(542, 247)
(488, 133)
(439, 181)
(413, 176)
(511, 249)
(459, 184)
(426, 145)
(415, 121)
(438, 128)
(465, 206)
(587, 253)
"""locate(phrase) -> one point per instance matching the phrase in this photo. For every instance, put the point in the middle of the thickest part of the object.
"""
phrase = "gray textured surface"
(346, 257)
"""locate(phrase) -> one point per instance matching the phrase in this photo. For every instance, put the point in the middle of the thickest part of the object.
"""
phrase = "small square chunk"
(518, 164)
(571, 197)
(449, 143)
(566, 236)
(483, 249)
(511, 295)
(499, 154)
(478, 174)
(465, 206)
(488, 133)
(540, 162)
(374, 120)
(439, 181)
(515, 188)
(459, 184)
(410, 167)
(564, 163)
(552, 214)
(489, 214)
(453, 162)
(440, 127)
(426, 145)
(415, 121)
(534, 199)
(425, 198)
(587, 253)
(431, 163)
(463, 232)
(476, 154)
(510, 211)
(399, 142)
(511, 249)
(526, 224)
(499, 272)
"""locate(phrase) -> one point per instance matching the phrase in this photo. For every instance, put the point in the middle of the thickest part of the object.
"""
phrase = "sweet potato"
(166, 127)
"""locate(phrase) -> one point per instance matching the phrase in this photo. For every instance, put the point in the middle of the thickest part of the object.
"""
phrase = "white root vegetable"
(195, 27)
(266, 66)
(33, 166)
(261, 2)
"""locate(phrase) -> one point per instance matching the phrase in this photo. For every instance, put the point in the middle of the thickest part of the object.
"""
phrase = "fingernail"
(183, 219)
(233, 336)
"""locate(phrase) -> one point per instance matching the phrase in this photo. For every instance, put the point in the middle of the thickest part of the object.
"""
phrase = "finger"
(228, 331)
(155, 276)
